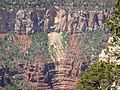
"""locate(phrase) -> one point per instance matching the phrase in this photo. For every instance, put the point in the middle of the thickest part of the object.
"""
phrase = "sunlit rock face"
(113, 53)
(68, 71)
(68, 67)
(62, 19)
(55, 46)
(23, 23)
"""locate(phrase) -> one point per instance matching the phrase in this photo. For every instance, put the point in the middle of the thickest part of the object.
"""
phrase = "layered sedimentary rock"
(62, 73)
(27, 21)
(23, 22)
(35, 76)
(67, 74)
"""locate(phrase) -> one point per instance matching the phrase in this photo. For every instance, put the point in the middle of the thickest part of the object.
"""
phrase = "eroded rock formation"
(63, 71)
(54, 19)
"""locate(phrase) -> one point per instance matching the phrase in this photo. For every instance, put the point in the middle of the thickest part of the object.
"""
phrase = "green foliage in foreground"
(113, 23)
(99, 76)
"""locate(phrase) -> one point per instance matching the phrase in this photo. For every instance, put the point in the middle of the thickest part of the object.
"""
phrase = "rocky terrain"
(73, 41)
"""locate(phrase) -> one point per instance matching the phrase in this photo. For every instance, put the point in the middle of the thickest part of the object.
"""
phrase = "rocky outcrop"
(111, 53)
(63, 71)
(56, 46)
(68, 69)
(3, 21)
(7, 20)
(54, 19)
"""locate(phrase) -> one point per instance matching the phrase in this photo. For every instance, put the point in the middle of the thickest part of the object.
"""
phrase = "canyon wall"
(62, 72)
(56, 19)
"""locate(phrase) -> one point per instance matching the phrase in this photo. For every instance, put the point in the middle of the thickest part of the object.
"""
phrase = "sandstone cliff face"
(56, 46)
(56, 19)
(63, 71)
